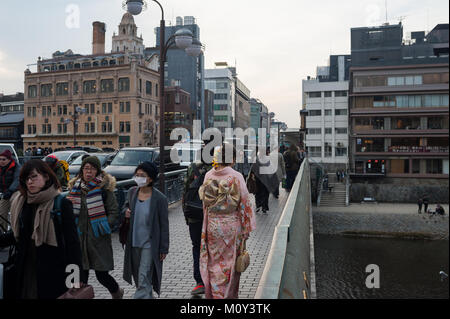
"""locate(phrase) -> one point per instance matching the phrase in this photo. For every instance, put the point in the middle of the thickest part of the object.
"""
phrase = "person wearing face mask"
(44, 234)
(96, 211)
(147, 242)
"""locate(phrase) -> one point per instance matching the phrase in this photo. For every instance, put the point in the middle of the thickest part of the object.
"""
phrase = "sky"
(273, 44)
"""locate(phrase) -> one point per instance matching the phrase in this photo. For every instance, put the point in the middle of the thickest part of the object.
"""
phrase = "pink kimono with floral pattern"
(221, 237)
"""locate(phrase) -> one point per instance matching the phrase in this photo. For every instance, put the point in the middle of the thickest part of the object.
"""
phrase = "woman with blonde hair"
(228, 221)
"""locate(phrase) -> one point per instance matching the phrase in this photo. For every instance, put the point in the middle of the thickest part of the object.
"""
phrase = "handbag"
(243, 260)
(251, 184)
(123, 231)
(84, 292)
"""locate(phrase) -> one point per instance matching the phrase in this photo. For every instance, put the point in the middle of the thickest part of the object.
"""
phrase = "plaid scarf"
(94, 203)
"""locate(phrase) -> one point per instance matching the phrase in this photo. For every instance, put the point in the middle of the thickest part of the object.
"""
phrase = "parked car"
(89, 149)
(105, 160)
(10, 147)
(68, 156)
(127, 159)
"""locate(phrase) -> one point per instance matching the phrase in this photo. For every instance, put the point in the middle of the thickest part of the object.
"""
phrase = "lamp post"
(74, 119)
(183, 39)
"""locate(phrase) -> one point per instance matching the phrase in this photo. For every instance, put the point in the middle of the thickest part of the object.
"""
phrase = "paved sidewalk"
(177, 279)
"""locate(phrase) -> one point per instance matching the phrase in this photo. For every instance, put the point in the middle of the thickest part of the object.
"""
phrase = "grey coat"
(159, 238)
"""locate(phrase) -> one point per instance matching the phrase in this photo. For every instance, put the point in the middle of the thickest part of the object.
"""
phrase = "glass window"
(341, 130)
(315, 113)
(314, 94)
(62, 88)
(378, 101)
(409, 80)
(148, 87)
(435, 100)
(328, 94)
(391, 81)
(32, 91)
(124, 85)
(400, 80)
(434, 166)
(340, 112)
(341, 151)
(328, 130)
(418, 80)
(328, 112)
(340, 93)
(89, 87)
(314, 131)
(107, 85)
(46, 90)
(315, 151)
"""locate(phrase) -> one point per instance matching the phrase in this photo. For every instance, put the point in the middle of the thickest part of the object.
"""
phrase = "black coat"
(50, 261)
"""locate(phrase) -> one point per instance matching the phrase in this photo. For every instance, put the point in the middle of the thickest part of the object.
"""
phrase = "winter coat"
(97, 252)
(50, 261)
(159, 239)
(9, 179)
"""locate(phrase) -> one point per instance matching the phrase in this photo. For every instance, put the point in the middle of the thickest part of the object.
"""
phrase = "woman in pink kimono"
(228, 219)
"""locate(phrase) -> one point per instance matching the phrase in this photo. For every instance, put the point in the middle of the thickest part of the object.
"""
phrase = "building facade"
(12, 120)
(183, 70)
(325, 99)
(178, 113)
(399, 112)
(113, 97)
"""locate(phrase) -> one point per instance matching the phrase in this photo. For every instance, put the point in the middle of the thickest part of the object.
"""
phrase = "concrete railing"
(290, 272)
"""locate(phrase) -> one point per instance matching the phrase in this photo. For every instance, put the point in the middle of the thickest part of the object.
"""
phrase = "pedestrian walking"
(276, 157)
(425, 203)
(9, 183)
(44, 232)
(338, 175)
(228, 221)
(266, 183)
(193, 213)
(147, 242)
(419, 203)
(292, 163)
(96, 211)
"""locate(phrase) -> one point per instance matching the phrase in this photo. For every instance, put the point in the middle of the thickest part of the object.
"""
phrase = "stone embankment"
(381, 220)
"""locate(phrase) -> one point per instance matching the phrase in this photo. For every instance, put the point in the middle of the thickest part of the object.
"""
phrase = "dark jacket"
(50, 262)
(292, 157)
(159, 239)
(9, 179)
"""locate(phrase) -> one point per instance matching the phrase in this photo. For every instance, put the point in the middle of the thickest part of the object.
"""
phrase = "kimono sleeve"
(246, 208)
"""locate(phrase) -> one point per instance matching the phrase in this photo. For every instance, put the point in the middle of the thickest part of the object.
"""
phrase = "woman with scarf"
(45, 235)
(95, 208)
(267, 182)
(147, 241)
(228, 220)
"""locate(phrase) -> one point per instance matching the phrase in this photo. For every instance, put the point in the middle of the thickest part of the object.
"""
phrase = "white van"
(11, 148)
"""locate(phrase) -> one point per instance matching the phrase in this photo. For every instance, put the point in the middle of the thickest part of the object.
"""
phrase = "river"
(408, 269)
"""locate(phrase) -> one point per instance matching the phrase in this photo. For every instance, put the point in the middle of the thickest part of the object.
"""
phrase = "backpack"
(193, 206)
(65, 167)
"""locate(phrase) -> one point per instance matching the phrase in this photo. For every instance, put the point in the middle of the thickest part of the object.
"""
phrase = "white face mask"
(140, 181)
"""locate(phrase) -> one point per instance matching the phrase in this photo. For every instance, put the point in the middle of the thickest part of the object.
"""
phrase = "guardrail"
(290, 270)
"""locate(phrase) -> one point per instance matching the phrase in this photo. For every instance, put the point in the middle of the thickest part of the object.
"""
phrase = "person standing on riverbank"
(419, 203)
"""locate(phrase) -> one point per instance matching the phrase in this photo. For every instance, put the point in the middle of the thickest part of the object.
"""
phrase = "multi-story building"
(399, 112)
(188, 72)
(221, 82)
(325, 99)
(11, 119)
(231, 97)
(259, 118)
(209, 109)
(178, 112)
(113, 97)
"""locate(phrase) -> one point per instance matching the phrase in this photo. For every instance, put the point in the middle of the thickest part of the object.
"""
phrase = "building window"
(314, 94)
(328, 130)
(124, 84)
(341, 151)
(156, 89)
(340, 94)
(315, 113)
(221, 96)
(341, 130)
(46, 90)
(32, 91)
(314, 131)
(89, 87)
(340, 112)
(315, 151)
(327, 93)
(148, 88)
(221, 85)
(75, 87)
(328, 112)
(140, 127)
(106, 108)
(62, 88)
(107, 85)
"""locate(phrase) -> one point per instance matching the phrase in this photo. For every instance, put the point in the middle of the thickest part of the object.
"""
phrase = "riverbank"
(381, 220)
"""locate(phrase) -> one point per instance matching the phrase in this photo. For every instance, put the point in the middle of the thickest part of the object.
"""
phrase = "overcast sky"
(275, 44)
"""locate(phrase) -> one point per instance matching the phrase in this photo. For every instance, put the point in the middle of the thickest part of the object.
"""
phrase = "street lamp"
(183, 39)
(74, 119)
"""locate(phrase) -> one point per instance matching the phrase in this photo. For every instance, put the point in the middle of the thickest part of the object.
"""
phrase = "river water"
(408, 268)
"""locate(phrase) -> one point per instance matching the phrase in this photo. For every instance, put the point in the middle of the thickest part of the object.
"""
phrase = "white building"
(221, 82)
(327, 120)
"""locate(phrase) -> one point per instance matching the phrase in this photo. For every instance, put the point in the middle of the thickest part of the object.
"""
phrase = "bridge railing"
(290, 272)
